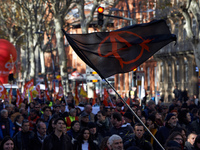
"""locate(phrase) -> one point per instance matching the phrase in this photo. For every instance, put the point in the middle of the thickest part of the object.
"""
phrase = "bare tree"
(34, 14)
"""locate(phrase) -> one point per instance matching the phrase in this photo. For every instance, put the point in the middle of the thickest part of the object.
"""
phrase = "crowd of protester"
(61, 125)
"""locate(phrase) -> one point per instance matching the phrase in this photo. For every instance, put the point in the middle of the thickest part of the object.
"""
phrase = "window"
(148, 77)
(155, 77)
(170, 72)
(118, 81)
(124, 85)
(162, 72)
(177, 72)
(186, 69)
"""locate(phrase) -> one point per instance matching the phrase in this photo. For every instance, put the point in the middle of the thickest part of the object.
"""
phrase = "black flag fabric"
(122, 50)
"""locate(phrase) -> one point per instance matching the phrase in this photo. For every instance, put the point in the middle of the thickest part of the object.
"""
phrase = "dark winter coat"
(22, 140)
(52, 142)
(140, 143)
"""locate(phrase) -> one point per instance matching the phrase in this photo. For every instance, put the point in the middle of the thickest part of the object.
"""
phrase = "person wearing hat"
(150, 108)
(119, 107)
(84, 119)
(163, 133)
(56, 110)
(128, 117)
(94, 133)
(152, 126)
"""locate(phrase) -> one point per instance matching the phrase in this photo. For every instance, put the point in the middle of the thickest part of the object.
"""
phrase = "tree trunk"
(61, 51)
(31, 56)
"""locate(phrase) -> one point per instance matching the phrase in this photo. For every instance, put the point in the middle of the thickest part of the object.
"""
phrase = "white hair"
(113, 138)
(3, 111)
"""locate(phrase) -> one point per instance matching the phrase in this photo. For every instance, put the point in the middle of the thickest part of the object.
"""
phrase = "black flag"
(122, 50)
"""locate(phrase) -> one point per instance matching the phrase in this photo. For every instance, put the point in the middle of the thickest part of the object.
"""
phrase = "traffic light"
(100, 16)
(134, 73)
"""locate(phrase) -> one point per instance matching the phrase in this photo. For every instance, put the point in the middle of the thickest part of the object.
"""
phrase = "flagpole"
(134, 114)
(94, 67)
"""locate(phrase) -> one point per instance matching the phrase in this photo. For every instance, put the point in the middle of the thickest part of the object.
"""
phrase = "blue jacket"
(12, 131)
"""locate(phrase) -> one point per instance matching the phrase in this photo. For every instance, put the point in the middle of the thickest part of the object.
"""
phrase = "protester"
(33, 118)
(39, 137)
(75, 130)
(38, 109)
(88, 110)
(137, 139)
(175, 140)
(84, 119)
(184, 120)
(46, 115)
(128, 117)
(118, 128)
(152, 126)
(150, 108)
(18, 123)
(115, 142)
(189, 144)
(6, 126)
(7, 143)
(57, 140)
(63, 113)
(84, 141)
(23, 138)
(196, 125)
(51, 124)
(163, 133)
(103, 123)
(72, 117)
(96, 136)
(197, 142)
(104, 144)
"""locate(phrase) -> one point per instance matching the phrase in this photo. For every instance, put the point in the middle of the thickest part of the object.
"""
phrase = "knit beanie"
(169, 116)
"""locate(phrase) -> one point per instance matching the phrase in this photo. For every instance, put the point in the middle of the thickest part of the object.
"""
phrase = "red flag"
(94, 98)
(28, 87)
(60, 92)
(18, 99)
(128, 101)
(37, 87)
(106, 95)
(3, 92)
(76, 94)
(46, 92)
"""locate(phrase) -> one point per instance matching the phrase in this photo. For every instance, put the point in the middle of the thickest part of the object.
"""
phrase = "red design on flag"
(28, 87)
(37, 87)
(19, 99)
(106, 96)
(94, 98)
(60, 92)
(3, 92)
(128, 101)
(46, 92)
